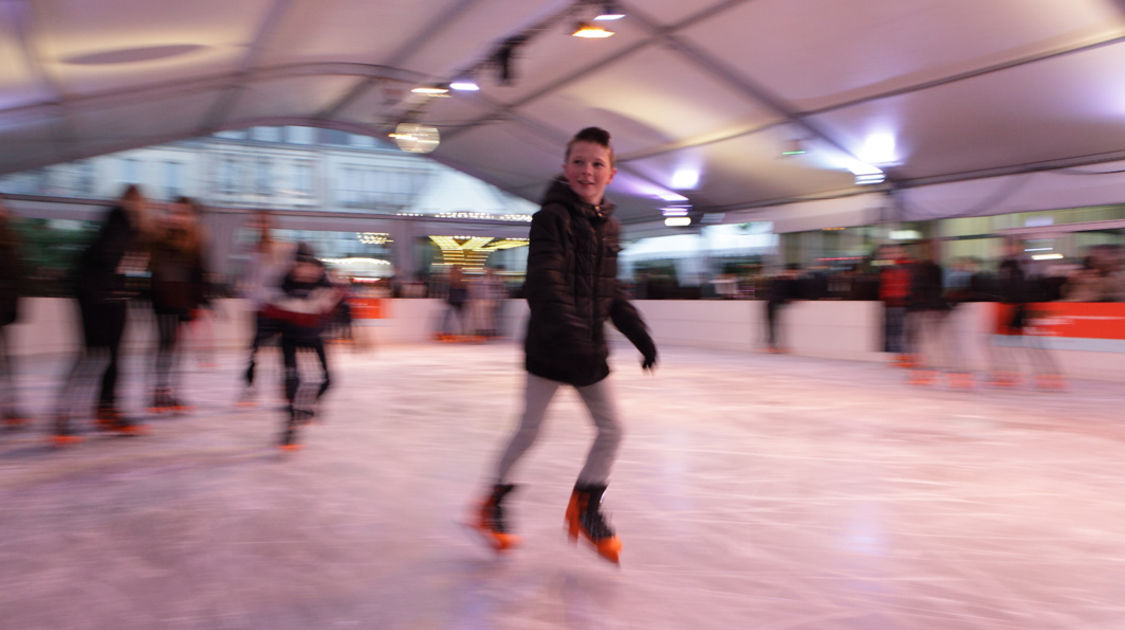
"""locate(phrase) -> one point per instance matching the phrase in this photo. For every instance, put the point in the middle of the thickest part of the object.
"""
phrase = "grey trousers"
(599, 401)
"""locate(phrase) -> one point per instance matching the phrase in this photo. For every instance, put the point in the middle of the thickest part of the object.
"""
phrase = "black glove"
(649, 360)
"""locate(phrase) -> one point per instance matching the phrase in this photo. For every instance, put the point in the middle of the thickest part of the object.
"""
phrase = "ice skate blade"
(608, 549)
(63, 441)
(500, 544)
(133, 430)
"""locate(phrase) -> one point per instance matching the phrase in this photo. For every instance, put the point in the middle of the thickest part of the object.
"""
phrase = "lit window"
(266, 134)
(302, 178)
(262, 181)
(172, 184)
(299, 135)
(130, 171)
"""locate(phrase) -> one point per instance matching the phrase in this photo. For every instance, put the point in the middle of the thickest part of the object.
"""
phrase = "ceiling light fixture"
(866, 179)
(685, 179)
(610, 12)
(794, 148)
(465, 85)
(431, 90)
(587, 30)
(415, 138)
(677, 221)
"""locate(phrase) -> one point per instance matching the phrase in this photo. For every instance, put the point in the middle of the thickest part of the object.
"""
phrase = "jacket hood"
(560, 192)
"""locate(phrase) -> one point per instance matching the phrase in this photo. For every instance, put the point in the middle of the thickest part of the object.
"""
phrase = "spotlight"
(587, 30)
(610, 12)
(677, 215)
(465, 85)
(431, 90)
(867, 179)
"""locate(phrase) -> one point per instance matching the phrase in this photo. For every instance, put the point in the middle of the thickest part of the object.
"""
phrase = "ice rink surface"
(753, 491)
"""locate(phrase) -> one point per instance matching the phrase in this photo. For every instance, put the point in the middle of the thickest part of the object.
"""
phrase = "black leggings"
(103, 325)
(265, 329)
(292, 340)
(168, 327)
(7, 376)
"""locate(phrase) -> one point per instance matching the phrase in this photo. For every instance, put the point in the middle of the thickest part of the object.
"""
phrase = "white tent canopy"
(702, 98)
(450, 191)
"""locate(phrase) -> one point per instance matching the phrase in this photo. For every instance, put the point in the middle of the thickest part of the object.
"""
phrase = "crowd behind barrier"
(141, 281)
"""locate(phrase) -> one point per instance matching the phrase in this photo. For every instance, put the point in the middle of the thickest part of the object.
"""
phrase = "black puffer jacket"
(98, 277)
(572, 289)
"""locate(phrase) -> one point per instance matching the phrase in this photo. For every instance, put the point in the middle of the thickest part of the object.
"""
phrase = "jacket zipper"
(598, 235)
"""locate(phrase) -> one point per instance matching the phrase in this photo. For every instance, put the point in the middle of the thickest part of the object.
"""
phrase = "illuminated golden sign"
(471, 252)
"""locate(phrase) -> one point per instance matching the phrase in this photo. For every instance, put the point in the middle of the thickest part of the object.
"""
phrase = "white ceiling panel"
(650, 99)
(292, 97)
(553, 55)
(996, 121)
(471, 35)
(103, 46)
(669, 13)
(504, 155)
(358, 31)
(744, 168)
(139, 124)
(813, 53)
(717, 86)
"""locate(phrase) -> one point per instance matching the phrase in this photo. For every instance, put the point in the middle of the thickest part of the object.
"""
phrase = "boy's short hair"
(596, 135)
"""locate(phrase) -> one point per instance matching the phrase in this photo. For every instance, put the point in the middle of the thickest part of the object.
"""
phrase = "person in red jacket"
(572, 288)
(894, 291)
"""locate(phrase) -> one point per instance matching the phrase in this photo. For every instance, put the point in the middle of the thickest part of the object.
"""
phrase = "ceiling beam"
(431, 29)
(258, 43)
(558, 137)
(598, 65)
(180, 87)
(1078, 47)
(700, 141)
(721, 70)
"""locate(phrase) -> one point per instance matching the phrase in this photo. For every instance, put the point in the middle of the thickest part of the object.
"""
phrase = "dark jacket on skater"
(98, 275)
(11, 273)
(927, 287)
(572, 288)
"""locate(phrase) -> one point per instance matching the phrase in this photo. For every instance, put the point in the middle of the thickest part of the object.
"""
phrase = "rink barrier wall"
(819, 329)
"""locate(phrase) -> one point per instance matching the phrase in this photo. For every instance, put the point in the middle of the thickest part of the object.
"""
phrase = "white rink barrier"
(823, 329)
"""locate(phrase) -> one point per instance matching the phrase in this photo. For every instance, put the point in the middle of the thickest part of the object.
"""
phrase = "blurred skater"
(12, 281)
(493, 292)
(894, 290)
(179, 291)
(780, 290)
(926, 309)
(572, 288)
(456, 298)
(269, 262)
(100, 287)
(303, 308)
(1015, 315)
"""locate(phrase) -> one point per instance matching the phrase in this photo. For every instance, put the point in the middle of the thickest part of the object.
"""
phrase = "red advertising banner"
(369, 308)
(1072, 320)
